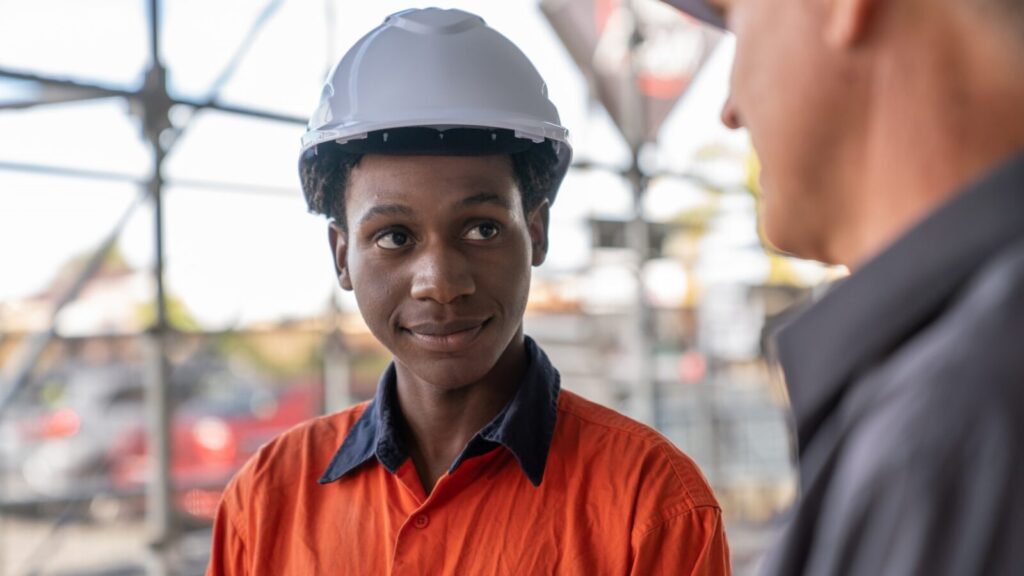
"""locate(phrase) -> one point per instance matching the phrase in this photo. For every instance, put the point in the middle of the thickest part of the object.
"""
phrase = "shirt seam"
(653, 440)
(679, 477)
(678, 512)
(635, 430)
(232, 519)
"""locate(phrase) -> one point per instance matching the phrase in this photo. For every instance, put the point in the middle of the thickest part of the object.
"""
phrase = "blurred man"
(892, 140)
(436, 154)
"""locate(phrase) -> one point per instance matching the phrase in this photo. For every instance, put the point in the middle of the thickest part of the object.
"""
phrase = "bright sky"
(237, 256)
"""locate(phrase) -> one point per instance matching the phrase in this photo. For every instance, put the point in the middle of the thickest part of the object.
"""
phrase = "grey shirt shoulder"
(929, 479)
(971, 356)
(907, 386)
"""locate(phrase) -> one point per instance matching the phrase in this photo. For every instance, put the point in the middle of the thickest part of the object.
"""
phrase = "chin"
(783, 229)
(799, 247)
(786, 237)
(451, 373)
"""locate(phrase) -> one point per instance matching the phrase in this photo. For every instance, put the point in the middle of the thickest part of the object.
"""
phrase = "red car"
(212, 438)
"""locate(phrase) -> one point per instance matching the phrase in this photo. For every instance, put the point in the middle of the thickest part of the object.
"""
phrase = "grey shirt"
(907, 385)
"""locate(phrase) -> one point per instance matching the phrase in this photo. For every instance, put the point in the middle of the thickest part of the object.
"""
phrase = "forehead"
(428, 179)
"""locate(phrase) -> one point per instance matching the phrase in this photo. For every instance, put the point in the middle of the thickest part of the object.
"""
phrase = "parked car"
(213, 435)
(80, 436)
(63, 437)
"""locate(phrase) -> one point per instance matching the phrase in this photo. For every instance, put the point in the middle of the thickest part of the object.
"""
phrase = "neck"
(944, 110)
(440, 421)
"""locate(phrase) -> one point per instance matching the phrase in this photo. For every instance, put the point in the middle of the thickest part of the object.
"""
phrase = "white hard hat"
(441, 72)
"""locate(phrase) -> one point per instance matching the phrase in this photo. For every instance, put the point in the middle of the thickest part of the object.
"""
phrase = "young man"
(436, 154)
(892, 140)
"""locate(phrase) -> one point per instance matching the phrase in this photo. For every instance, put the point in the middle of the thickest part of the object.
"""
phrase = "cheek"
(782, 87)
(778, 52)
(376, 288)
(505, 276)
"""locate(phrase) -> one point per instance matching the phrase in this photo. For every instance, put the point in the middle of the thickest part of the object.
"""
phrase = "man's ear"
(537, 222)
(849, 21)
(339, 250)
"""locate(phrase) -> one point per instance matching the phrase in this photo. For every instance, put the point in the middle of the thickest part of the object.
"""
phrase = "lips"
(447, 336)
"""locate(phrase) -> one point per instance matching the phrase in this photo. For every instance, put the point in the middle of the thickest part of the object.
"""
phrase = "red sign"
(639, 55)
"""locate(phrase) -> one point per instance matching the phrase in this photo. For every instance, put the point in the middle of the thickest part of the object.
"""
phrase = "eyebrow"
(403, 210)
(486, 198)
(385, 210)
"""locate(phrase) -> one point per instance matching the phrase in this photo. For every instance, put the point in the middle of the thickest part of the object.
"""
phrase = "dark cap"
(700, 10)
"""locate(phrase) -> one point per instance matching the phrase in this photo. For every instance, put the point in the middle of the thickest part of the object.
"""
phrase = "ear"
(339, 249)
(848, 22)
(537, 223)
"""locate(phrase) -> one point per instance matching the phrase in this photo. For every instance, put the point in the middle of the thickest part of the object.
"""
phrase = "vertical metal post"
(634, 127)
(3, 517)
(337, 374)
(337, 368)
(159, 510)
(638, 239)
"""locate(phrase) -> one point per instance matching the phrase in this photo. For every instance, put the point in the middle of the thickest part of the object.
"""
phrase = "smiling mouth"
(446, 336)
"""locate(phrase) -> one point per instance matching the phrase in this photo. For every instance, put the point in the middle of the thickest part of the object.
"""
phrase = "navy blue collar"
(524, 427)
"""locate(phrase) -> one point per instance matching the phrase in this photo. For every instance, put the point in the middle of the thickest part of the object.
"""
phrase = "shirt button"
(421, 521)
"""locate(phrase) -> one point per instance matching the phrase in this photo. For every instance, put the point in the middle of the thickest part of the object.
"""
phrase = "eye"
(483, 231)
(393, 240)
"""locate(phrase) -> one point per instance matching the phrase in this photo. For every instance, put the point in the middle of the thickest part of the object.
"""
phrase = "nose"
(731, 114)
(443, 275)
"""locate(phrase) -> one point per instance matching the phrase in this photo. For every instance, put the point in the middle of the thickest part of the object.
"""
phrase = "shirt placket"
(420, 545)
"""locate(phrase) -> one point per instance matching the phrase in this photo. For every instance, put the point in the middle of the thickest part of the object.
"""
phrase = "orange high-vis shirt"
(554, 485)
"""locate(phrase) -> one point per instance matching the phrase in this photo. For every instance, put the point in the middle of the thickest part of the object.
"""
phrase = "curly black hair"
(324, 177)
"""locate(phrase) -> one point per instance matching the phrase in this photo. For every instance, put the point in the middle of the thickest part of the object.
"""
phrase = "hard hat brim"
(450, 141)
(459, 141)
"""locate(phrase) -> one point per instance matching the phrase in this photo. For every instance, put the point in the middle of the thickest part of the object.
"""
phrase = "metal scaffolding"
(152, 103)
